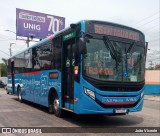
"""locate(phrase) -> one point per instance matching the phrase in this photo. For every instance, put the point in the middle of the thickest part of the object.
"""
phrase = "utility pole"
(0, 70)
(10, 49)
(28, 40)
(151, 64)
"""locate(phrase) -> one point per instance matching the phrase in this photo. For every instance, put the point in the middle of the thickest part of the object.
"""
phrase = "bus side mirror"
(73, 26)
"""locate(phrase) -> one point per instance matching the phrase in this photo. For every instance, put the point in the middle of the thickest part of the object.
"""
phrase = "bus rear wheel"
(56, 107)
(20, 94)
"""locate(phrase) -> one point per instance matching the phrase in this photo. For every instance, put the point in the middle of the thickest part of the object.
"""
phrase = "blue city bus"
(92, 67)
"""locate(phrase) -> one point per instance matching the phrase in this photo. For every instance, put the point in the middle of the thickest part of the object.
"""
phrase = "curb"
(152, 100)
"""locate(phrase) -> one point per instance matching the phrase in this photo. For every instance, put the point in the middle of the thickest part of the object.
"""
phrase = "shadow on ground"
(94, 120)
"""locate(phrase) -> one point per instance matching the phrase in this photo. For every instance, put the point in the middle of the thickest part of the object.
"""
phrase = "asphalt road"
(16, 114)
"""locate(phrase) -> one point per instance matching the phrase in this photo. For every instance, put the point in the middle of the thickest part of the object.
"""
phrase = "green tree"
(3, 67)
(4, 61)
(151, 68)
(157, 67)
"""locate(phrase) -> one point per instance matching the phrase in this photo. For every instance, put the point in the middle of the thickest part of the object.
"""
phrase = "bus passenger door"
(68, 74)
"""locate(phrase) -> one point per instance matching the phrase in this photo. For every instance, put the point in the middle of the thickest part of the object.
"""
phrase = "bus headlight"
(142, 94)
(89, 93)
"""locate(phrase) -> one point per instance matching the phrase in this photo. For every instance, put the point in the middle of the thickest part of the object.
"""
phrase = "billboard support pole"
(27, 41)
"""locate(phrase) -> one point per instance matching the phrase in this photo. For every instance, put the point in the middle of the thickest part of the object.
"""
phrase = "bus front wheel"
(56, 107)
(19, 94)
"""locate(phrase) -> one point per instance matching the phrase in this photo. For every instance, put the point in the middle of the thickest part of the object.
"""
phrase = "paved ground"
(152, 98)
(15, 114)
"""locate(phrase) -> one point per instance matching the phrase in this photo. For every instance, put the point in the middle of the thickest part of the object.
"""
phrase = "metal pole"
(10, 50)
(27, 41)
(0, 70)
(151, 64)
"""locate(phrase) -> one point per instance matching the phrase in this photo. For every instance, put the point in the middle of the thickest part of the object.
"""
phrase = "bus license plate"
(120, 111)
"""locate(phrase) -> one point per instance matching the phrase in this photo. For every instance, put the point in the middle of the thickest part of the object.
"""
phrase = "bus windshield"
(110, 60)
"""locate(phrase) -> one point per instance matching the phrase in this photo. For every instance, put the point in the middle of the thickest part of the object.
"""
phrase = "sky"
(143, 15)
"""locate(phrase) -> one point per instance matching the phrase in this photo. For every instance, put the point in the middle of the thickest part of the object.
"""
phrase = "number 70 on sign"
(54, 24)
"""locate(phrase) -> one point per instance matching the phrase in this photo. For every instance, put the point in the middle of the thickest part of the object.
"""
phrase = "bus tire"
(20, 94)
(56, 107)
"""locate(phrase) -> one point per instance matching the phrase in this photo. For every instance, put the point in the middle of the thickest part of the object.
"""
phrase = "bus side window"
(35, 59)
(42, 57)
(19, 63)
(28, 60)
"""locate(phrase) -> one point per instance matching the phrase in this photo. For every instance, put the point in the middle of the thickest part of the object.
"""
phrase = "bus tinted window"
(42, 56)
(20, 63)
(47, 56)
(57, 51)
(28, 60)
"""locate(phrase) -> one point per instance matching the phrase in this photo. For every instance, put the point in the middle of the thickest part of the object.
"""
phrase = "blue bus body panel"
(87, 105)
(35, 86)
(83, 28)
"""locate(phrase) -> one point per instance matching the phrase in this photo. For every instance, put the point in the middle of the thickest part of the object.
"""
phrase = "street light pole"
(10, 49)
(27, 41)
(11, 32)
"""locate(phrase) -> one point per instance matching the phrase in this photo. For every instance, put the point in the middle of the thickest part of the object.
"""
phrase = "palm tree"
(3, 67)
(4, 61)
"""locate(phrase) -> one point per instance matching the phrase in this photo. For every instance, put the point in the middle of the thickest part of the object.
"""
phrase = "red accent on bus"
(9, 75)
(50, 37)
(119, 103)
(75, 99)
(31, 73)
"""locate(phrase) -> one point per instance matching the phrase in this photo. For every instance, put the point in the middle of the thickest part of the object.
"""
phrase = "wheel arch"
(17, 88)
(52, 93)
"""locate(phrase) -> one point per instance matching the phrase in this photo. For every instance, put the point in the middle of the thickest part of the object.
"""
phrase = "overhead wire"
(145, 18)
(7, 36)
(4, 52)
(147, 23)
(156, 39)
(152, 28)
(144, 22)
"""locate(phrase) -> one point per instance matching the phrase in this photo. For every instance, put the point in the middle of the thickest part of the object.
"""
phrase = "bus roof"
(82, 22)
(114, 24)
(40, 42)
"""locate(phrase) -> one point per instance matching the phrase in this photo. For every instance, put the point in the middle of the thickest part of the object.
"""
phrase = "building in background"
(152, 81)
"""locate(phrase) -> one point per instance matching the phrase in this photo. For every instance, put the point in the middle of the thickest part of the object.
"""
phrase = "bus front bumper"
(88, 106)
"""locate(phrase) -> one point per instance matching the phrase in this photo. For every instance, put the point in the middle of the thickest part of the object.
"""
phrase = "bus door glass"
(68, 73)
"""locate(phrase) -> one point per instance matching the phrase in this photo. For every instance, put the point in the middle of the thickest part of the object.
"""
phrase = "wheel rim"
(56, 104)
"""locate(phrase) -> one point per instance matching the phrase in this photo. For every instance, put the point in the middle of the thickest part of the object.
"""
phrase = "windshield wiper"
(126, 57)
(109, 46)
(131, 47)
(126, 65)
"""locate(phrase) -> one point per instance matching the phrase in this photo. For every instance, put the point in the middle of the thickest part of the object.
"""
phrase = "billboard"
(38, 25)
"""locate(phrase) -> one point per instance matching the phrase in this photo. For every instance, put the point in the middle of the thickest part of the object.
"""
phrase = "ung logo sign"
(38, 25)
(32, 26)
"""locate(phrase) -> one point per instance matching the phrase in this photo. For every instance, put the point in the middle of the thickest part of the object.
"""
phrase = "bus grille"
(117, 106)
(120, 89)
